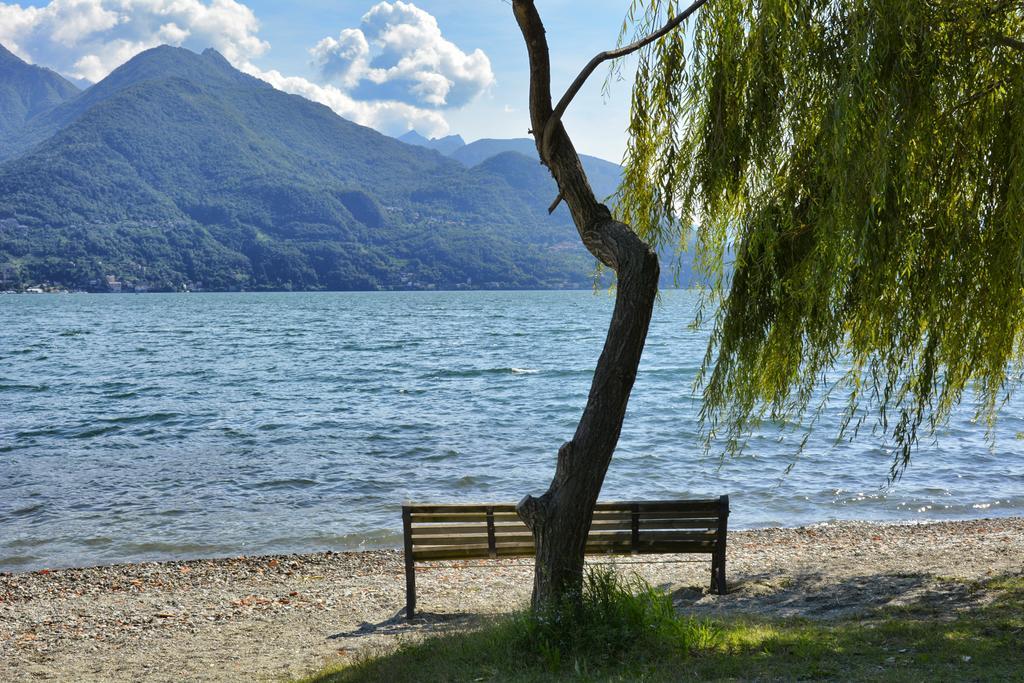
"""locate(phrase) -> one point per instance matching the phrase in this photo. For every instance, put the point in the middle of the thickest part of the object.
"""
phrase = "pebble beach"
(280, 617)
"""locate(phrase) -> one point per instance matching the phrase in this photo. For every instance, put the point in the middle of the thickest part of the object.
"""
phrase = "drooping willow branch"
(851, 175)
(599, 59)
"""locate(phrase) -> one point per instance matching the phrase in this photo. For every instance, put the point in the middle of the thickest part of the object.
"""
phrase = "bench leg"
(410, 590)
(410, 565)
(718, 575)
(718, 564)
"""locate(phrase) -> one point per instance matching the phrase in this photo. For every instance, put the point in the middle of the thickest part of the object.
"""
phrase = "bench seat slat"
(468, 541)
(609, 540)
(460, 553)
(625, 547)
(709, 506)
(681, 514)
(615, 524)
(625, 523)
(456, 507)
(461, 529)
(653, 516)
(708, 524)
(622, 547)
(527, 536)
(463, 517)
(677, 535)
(477, 552)
(465, 513)
(527, 550)
(658, 505)
(669, 547)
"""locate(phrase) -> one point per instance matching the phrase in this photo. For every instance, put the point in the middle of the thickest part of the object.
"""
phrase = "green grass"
(627, 631)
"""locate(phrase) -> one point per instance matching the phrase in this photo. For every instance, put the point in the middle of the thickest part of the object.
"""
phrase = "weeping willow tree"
(855, 170)
(863, 161)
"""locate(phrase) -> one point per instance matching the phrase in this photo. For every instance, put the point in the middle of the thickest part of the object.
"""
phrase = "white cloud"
(172, 34)
(398, 53)
(90, 38)
(75, 21)
(384, 115)
(343, 59)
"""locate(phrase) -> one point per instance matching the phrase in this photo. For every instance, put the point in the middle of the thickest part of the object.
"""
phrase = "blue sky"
(384, 64)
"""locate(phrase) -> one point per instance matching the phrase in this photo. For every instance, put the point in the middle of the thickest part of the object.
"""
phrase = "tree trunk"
(560, 518)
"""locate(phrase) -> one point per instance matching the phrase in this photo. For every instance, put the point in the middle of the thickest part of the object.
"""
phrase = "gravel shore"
(273, 618)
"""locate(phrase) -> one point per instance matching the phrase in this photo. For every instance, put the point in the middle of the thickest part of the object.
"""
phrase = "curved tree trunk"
(560, 518)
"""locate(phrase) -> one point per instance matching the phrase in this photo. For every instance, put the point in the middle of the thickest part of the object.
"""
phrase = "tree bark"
(560, 518)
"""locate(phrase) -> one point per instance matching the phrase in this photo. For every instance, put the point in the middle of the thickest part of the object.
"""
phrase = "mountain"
(80, 83)
(414, 138)
(445, 145)
(178, 170)
(485, 148)
(27, 91)
(604, 175)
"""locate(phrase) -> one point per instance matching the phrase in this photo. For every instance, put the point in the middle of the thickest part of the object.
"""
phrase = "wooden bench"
(492, 530)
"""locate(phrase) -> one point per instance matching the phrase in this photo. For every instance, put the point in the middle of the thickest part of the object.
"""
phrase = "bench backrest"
(455, 532)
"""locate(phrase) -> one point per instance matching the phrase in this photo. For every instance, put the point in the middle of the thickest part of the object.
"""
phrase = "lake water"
(168, 426)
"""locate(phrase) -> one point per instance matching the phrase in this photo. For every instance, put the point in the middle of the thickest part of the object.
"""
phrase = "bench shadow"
(397, 624)
(815, 595)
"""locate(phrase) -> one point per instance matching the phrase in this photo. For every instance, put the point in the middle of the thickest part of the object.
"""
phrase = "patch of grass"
(617, 618)
(627, 631)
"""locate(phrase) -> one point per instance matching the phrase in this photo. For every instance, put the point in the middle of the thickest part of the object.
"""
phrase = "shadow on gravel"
(815, 595)
(398, 624)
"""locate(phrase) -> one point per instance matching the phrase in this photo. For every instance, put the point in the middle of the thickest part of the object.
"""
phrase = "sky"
(436, 66)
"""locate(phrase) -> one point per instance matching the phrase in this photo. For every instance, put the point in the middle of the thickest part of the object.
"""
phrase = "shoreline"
(279, 616)
(397, 546)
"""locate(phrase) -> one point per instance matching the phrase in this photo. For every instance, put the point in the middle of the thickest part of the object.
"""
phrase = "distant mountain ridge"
(445, 145)
(27, 90)
(604, 176)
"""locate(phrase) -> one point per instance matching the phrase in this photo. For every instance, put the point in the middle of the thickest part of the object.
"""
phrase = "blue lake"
(167, 426)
